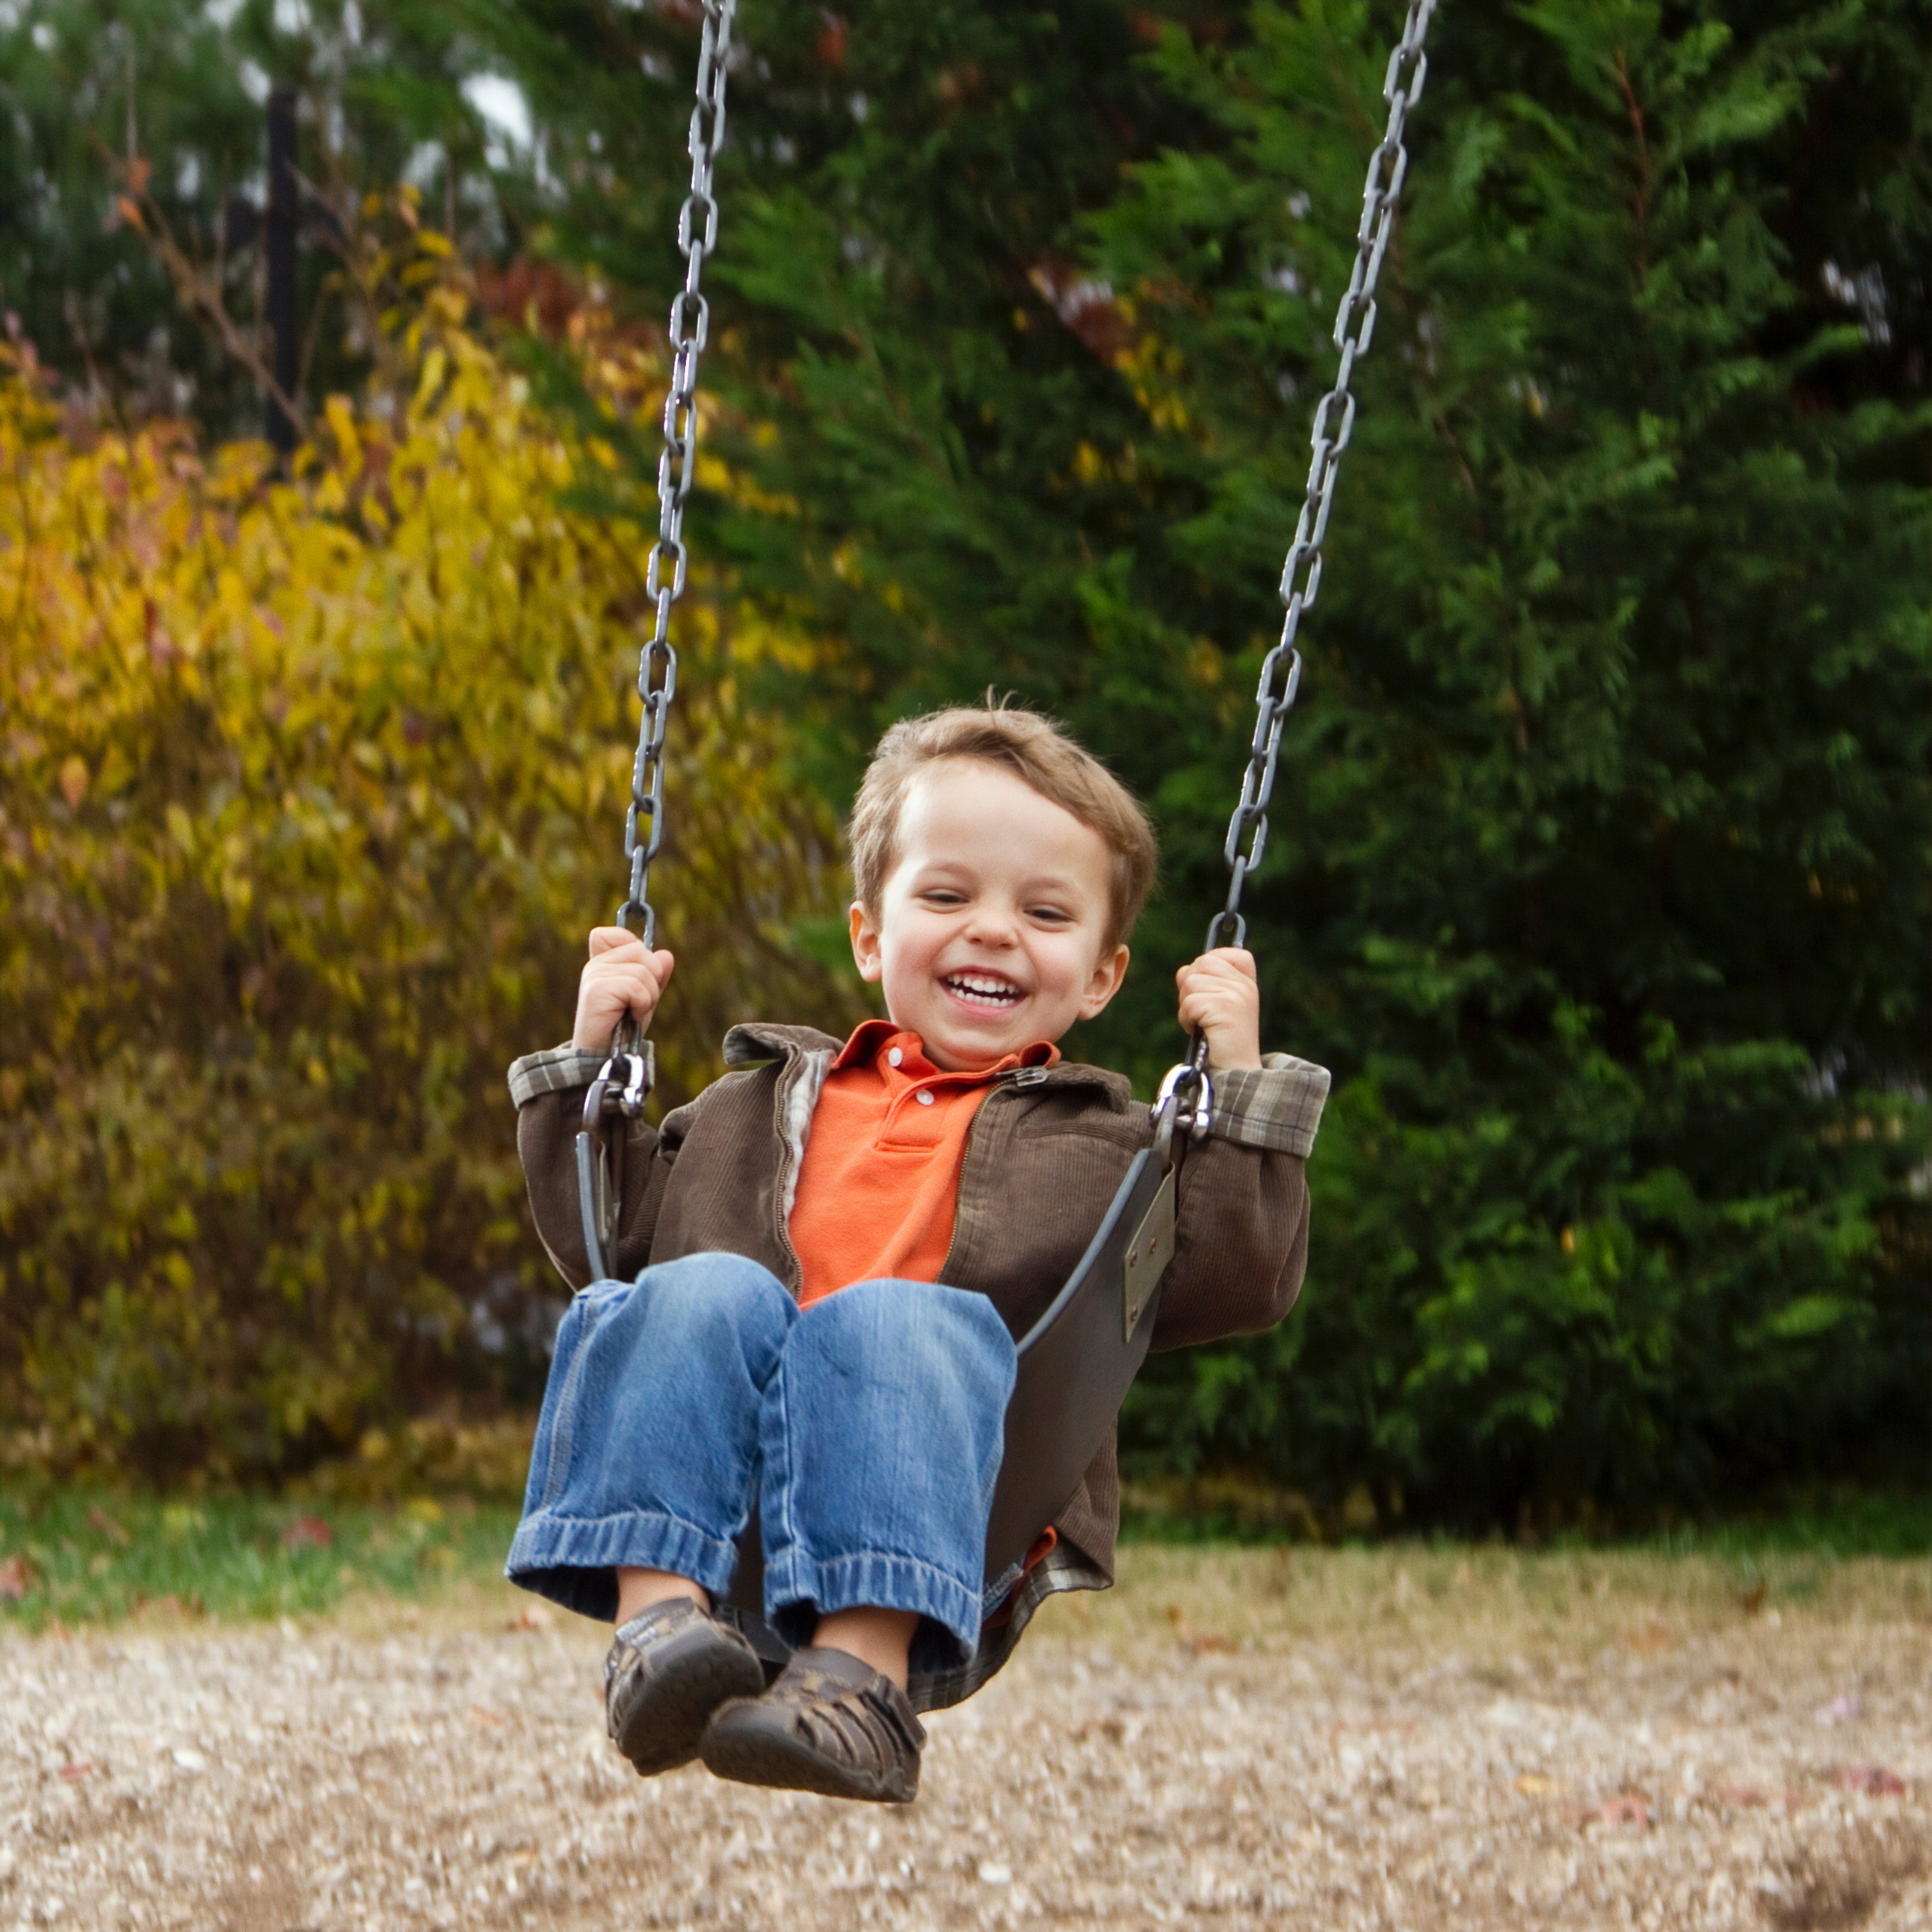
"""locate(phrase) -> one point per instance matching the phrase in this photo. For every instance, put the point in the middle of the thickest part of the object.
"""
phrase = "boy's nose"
(990, 926)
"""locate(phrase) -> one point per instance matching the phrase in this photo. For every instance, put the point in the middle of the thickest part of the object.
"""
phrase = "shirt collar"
(871, 1038)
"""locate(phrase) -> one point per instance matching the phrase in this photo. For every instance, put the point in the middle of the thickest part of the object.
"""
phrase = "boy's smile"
(993, 927)
(990, 991)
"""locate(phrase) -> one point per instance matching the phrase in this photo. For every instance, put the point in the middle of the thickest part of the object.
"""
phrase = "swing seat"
(1076, 1363)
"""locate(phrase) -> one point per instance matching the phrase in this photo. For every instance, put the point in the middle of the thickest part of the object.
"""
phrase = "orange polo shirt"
(881, 1177)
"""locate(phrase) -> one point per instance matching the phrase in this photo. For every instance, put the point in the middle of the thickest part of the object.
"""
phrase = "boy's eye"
(1051, 915)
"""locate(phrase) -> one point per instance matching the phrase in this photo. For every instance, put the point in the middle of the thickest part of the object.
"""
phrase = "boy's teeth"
(985, 989)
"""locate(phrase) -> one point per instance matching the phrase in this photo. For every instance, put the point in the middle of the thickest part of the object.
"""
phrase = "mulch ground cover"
(1249, 1739)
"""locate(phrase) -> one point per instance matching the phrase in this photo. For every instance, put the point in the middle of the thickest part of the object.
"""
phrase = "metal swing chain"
(1301, 573)
(677, 466)
(616, 1096)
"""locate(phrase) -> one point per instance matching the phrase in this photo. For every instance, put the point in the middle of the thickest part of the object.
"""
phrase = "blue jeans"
(868, 1427)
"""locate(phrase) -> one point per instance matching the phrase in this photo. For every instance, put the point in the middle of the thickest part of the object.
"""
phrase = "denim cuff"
(639, 1539)
(799, 1589)
(996, 1592)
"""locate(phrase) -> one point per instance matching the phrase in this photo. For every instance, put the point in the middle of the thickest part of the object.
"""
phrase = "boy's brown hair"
(1037, 752)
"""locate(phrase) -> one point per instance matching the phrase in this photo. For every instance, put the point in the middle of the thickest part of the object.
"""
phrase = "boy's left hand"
(1220, 993)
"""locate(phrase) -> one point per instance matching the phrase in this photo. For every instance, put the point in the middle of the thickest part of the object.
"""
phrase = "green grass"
(90, 1556)
(93, 1556)
(1846, 1522)
(1821, 1522)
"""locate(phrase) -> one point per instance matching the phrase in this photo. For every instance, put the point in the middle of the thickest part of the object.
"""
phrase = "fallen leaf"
(489, 1719)
(1872, 1779)
(1655, 1635)
(1752, 1601)
(1198, 1642)
(307, 1532)
(531, 1617)
(16, 1577)
(102, 1524)
(1532, 1786)
(73, 781)
(1743, 1794)
(1626, 1809)
(79, 1768)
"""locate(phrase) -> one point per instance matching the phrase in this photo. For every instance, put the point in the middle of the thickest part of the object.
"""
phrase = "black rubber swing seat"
(1076, 1363)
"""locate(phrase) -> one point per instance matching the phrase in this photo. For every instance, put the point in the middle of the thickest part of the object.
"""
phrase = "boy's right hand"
(622, 977)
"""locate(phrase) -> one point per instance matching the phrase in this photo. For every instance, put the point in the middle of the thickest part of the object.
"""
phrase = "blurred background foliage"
(1598, 873)
(311, 788)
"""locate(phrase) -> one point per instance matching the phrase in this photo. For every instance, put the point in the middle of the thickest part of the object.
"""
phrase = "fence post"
(281, 218)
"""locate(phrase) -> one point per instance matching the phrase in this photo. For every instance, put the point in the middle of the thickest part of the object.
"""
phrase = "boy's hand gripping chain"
(616, 1096)
(1186, 1098)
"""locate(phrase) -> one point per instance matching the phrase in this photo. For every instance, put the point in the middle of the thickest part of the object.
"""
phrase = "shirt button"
(893, 1058)
(925, 1096)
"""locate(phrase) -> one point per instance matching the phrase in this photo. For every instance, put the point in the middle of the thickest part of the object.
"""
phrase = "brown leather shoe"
(669, 1669)
(830, 1724)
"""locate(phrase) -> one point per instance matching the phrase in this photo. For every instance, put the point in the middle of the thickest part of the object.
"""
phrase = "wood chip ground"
(1259, 1738)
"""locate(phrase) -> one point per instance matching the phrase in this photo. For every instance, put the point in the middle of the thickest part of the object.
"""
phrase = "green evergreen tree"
(1603, 877)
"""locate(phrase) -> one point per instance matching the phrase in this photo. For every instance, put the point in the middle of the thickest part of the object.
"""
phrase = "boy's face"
(991, 932)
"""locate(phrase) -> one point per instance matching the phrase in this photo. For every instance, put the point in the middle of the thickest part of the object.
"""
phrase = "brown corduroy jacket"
(1047, 1150)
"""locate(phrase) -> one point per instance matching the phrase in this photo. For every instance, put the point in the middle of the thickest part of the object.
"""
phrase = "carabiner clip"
(611, 1096)
(1186, 1102)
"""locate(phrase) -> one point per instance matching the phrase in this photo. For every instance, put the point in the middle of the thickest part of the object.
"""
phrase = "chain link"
(677, 466)
(1334, 423)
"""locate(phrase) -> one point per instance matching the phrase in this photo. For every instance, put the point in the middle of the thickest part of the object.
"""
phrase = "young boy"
(823, 1261)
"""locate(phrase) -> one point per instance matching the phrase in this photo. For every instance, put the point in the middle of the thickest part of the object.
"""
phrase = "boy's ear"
(1110, 970)
(865, 954)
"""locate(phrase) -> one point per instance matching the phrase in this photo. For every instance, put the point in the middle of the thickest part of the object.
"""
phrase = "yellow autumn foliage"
(309, 790)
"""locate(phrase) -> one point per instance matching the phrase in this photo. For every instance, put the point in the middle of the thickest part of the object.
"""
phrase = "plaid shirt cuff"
(1277, 1106)
(563, 1068)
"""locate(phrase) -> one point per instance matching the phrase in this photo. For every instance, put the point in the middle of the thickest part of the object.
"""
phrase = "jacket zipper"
(787, 1080)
